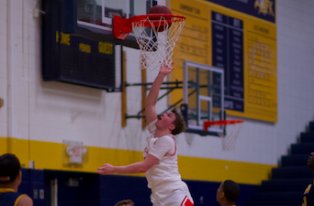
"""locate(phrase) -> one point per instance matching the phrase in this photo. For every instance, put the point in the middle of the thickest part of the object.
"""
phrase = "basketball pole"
(143, 76)
(123, 94)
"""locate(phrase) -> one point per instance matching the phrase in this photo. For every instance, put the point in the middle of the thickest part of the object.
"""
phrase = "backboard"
(74, 57)
(95, 13)
(203, 96)
(93, 18)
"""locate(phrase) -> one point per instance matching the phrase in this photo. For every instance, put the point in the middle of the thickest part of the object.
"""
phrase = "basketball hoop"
(230, 134)
(156, 47)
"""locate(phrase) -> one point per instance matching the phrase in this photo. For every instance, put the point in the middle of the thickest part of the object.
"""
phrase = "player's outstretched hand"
(165, 69)
(106, 169)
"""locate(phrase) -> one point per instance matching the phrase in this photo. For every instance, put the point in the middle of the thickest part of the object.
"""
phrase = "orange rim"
(150, 19)
(221, 123)
(123, 26)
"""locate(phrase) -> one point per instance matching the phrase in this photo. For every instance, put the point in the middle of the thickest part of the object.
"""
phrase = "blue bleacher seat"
(311, 128)
(284, 185)
(302, 148)
(292, 172)
(294, 160)
(307, 137)
(288, 181)
(276, 198)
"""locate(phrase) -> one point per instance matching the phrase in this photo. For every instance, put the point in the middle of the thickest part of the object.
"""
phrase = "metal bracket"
(177, 85)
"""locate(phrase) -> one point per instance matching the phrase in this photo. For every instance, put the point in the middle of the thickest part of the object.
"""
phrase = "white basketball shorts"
(178, 197)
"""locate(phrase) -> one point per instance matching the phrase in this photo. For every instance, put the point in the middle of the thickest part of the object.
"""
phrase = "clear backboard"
(96, 15)
(92, 19)
(203, 96)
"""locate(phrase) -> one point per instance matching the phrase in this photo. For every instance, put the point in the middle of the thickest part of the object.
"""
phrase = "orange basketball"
(160, 9)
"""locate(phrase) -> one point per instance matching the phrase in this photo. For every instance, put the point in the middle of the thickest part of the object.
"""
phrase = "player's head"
(228, 192)
(172, 121)
(125, 203)
(10, 169)
(310, 161)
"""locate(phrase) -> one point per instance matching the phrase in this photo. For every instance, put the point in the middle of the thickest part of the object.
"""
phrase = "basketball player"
(308, 196)
(10, 179)
(160, 155)
(227, 193)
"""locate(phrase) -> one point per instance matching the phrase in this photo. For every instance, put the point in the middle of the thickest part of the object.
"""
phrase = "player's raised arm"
(152, 96)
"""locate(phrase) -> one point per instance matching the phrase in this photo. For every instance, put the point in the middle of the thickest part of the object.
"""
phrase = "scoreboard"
(77, 59)
(240, 37)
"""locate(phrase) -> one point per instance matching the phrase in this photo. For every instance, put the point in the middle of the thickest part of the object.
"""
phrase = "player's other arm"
(138, 167)
(152, 97)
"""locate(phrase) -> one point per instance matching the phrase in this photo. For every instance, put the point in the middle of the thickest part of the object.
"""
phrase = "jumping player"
(227, 193)
(160, 155)
(10, 179)
(308, 196)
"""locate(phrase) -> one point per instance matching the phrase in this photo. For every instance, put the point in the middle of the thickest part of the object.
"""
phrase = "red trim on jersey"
(175, 149)
(186, 202)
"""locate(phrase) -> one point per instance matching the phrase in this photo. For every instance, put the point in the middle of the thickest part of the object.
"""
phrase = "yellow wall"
(48, 155)
(3, 145)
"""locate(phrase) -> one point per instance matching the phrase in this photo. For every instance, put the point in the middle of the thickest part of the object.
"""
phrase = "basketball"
(160, 9)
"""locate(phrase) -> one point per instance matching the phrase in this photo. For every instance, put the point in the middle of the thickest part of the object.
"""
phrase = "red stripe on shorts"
(186, 202)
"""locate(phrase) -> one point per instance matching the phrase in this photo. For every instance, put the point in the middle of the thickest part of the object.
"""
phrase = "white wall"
(53, 112)
(295, 33)
(3, 67)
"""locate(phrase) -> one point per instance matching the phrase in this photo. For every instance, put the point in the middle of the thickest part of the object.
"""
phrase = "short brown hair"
(179, 123)
(125, 202)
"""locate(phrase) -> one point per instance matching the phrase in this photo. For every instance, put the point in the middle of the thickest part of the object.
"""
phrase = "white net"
(157, 42)
(229, 139)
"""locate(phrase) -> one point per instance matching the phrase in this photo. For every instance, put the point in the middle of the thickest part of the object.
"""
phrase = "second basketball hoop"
(156, 35)
(229, 134)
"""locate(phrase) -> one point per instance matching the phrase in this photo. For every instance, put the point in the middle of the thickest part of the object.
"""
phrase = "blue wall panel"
(94, 189)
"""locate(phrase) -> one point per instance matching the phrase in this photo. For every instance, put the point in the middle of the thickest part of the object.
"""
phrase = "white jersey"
(163, 176)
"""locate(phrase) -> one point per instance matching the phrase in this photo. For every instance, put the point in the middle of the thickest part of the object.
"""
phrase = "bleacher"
(291, 178)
